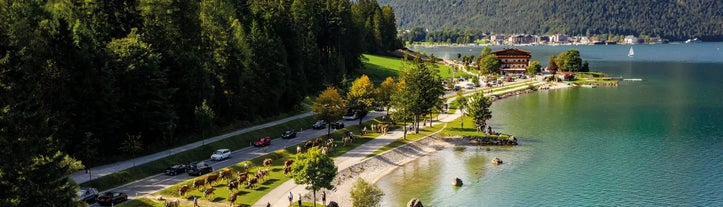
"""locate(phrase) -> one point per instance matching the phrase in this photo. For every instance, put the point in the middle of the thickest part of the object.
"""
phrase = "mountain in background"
(670, 19)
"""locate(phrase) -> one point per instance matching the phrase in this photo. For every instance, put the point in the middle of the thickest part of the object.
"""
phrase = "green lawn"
(379, 68)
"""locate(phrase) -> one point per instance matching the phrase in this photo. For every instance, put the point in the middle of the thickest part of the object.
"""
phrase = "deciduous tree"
(314, 169)
(478, 108)
(329, 106)
(364, 194)
(489, 64)
(534, 68)
(361, 97)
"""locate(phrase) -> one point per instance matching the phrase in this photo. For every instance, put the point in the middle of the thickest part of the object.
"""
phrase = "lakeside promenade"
(279, 195)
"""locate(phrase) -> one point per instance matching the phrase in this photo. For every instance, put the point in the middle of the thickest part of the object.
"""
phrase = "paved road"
(100, 171)
(160, 181)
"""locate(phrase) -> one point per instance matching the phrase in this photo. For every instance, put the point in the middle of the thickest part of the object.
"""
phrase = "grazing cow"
(182, 190)
(232, 185)
(232, 198)
(211, 178)
(268, 162)
(287, 170)
(384, 128)
(242, 177)
(226, 174)
(252, 183)
(265, 173)
(288, 163)
(208, 192)
(324, 150)
(199, 183)
(330, 143)
(346, 140)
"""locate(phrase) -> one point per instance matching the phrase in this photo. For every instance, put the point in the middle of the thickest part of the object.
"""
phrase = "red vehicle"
(263, 141)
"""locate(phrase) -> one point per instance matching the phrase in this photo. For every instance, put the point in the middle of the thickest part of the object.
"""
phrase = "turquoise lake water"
(658, 142)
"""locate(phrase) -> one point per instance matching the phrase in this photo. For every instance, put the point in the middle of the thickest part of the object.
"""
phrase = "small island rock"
(457, 182)
(414, 203)
(497, 161)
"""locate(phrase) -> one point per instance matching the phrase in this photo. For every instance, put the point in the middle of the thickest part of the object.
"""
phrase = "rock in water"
(415, 203)
(496, 161)
(457, 182)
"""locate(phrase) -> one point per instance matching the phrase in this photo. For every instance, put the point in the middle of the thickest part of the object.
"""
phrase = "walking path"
(100, 171)
(279, 195)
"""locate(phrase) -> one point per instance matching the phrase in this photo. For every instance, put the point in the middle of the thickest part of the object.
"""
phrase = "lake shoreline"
(375, 168)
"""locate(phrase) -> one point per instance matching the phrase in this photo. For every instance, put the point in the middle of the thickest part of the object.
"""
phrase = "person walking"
(323, 197)
(299, 199)
(195, 201)
(291, 198)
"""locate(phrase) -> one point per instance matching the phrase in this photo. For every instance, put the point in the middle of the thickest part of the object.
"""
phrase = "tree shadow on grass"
(270, 181)
(261, 188)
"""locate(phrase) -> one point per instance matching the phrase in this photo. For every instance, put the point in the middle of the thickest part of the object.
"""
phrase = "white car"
(221, 154)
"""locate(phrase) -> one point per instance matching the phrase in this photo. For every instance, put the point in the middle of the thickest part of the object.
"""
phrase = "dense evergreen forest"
(669, 19)
(93, 78)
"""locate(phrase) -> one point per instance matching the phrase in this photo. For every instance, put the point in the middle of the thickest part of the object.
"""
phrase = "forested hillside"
(95, 79)
(671, 19)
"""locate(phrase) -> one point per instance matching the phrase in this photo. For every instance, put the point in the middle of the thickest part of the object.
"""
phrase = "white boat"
(631, 52)
(694, 40)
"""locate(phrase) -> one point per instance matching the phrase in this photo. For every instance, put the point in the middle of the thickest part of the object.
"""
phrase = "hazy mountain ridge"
(671, 19)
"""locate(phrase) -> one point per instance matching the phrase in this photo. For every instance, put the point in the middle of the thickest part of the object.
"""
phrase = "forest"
(669, 19)
(89, 80)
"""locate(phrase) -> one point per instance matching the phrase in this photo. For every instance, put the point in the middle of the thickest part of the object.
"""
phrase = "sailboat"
(631, 52)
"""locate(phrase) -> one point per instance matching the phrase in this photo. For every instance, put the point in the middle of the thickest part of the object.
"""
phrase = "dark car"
(198, 168)
(337, 125)
(319, 125)
(111, 198)
(87, 195)
(291, 133)
(262, 141)
(175, 169)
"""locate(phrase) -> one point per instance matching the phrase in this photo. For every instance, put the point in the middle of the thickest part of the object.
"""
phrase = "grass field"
(379, 68)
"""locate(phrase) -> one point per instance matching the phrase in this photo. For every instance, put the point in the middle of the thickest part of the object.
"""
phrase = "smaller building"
(559, 39)
(566, 76)
(630, 39)
(498, 39)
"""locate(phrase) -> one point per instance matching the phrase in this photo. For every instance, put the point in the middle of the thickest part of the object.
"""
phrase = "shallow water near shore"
(658, 142)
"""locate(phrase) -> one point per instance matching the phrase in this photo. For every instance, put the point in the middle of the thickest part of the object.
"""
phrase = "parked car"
(262, 141)
(457, 87)
(469, 86)
(111, 198)
(291, 133)
(351, 115)
(320, 124)
(337, 125)
(221, 154)
(87, 195)
(198, 168)
(175, 169)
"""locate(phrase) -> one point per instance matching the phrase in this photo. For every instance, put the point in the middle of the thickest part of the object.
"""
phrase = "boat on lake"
(694, 40)
(631, 52)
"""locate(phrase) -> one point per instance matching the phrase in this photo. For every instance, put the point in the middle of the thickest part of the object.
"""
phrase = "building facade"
(513, 60)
